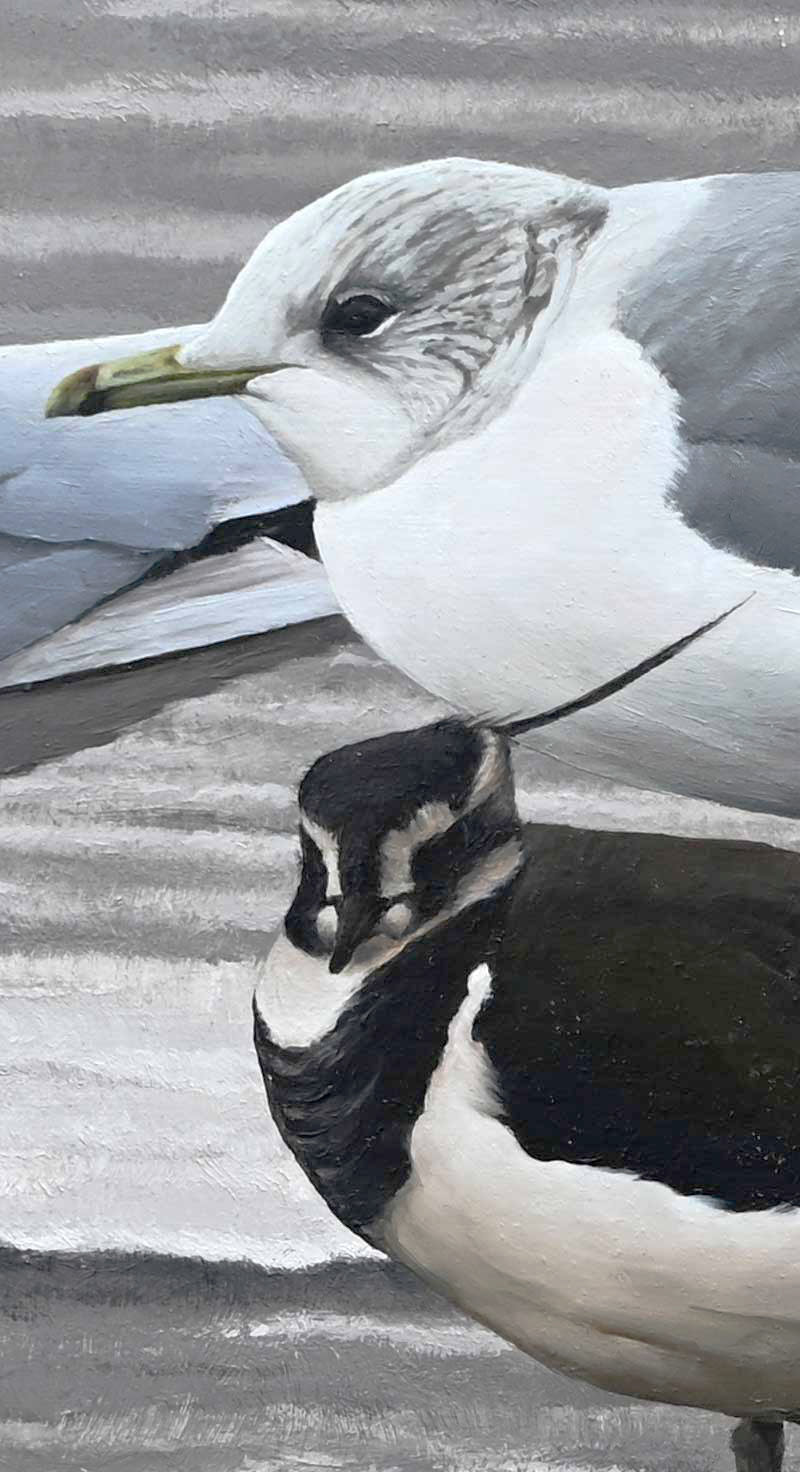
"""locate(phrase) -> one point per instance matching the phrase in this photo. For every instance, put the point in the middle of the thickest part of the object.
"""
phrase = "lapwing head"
(392, 831)
(390, 317)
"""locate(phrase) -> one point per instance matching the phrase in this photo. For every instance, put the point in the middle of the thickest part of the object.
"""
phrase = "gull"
(552, 1071)
(133, 537)
(551, 430)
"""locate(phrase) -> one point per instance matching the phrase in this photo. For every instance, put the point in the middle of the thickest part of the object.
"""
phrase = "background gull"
(161, 519)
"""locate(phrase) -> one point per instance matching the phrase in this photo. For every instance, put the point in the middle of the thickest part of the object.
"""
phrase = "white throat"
(301, 1001)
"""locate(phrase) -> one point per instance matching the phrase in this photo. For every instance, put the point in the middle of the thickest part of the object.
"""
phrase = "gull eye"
(356, 316)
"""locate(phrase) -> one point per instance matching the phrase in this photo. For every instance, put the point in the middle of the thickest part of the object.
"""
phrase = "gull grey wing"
(89, 507)
(44, 585)
(261, 585)
(719, 315)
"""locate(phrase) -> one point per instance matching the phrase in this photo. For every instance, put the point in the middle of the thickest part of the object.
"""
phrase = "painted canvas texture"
(398, 675)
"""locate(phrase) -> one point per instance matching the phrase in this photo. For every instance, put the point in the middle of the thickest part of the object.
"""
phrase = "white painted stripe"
(633, 811)
(61, 787)
(267, 1250)
(384, 99)
(684, 24)
(421, 1336)
(254, 851)
(178, 234)
(171, 907)
(143, 982)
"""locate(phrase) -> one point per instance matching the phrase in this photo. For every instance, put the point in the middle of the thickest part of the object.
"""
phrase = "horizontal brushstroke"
(715, 26)
(176, 1374)
(191, 235)
(227, 97)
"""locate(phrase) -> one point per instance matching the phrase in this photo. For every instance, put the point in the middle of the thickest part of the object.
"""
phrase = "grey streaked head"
(392, 830)
(386, 319)
(402, 303)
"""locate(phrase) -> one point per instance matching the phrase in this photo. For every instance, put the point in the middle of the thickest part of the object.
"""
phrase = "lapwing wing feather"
(676, 1054)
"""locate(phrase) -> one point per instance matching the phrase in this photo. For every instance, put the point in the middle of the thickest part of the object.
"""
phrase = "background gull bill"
(146, 831)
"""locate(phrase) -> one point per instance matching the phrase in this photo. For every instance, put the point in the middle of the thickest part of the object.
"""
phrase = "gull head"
(397, 833)
(384, 320)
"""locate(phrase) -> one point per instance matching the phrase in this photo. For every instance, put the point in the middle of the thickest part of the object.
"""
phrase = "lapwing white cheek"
(298, 998)
(396, 921)
(327, 921)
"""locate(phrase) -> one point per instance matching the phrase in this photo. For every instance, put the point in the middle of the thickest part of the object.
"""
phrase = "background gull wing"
(719, 315)
(88, 508)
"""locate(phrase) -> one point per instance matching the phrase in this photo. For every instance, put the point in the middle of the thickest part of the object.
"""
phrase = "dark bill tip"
(358, 918)
(76, 394)
(155, 377)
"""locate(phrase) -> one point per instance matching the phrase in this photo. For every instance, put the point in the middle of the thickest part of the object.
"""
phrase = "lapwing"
(552, 431)
(553, 1071)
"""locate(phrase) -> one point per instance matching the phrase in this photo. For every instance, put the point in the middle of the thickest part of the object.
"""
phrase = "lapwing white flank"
(553, 1071)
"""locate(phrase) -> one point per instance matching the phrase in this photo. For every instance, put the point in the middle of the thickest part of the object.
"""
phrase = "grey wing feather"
(86, 506)
(43, 586)
(719, 315)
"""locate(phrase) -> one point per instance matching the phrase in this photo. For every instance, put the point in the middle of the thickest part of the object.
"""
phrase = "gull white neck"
(522, 565)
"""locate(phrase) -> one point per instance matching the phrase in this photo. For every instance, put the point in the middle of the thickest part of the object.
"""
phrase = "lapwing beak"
(358, 919)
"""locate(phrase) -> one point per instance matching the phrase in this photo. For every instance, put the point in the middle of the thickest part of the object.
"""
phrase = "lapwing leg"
(758, 1446)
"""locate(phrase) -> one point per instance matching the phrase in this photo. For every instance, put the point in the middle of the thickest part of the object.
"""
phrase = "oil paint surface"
(175, 1295)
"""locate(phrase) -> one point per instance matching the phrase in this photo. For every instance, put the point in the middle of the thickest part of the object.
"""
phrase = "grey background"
(146, 854)
(145, 143)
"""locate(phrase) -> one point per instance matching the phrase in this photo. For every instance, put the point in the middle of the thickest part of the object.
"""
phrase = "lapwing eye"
(396, 920)
(328, 921)
(358, 315)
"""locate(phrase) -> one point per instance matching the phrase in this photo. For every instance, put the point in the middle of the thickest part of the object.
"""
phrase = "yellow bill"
(156, 377)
